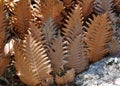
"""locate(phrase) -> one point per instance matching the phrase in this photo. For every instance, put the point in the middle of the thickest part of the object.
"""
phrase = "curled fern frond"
(21, 17)
(98, 35)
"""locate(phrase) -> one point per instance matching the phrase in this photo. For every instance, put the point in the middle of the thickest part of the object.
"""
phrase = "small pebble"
(88, 76)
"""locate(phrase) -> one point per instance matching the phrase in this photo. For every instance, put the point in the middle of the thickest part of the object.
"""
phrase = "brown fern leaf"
(32, 62)
(68, 7)
(87, 7)
(77, 57)
(21, 17)
(98, 35)
(37, 32)
(74, 24)
(117, 4)
(57, 54)
(37, 11)
(51, 8)
(3, 26)
(22, 66)
(68, 3)
(103, 6)
(49, 29)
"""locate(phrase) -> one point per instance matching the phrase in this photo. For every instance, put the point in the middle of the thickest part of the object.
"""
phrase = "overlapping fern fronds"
(55, 38)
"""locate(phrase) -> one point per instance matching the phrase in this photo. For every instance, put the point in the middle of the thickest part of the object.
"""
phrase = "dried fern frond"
(74, 23)
(22, 66)
(103, 6)
(49, 29)
(68, 77)
(76, 57)
(68, 3)
(87, 7)
(3, 26)
(68, 7)
(50, 8)
(32, 63)
(57, 54)
(117, 4)
(38, 33)
(98, 35)
(21, 17)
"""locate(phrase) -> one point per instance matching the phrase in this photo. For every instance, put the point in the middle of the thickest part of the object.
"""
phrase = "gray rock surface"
(102, 73)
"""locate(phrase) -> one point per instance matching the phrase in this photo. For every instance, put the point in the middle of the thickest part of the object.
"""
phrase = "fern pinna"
(55, 38)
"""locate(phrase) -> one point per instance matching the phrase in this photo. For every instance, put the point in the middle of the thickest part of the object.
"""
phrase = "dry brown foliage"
(98, 34)
(56, 39)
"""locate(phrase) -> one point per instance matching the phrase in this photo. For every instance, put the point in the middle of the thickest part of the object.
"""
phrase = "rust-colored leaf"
(74, 23)
(68, 3)
(38, 33)
(22, 16)
(32, 63)
(76, 57)
(98, 35)
(49, 29)
(57, 54)
(87, 7)
(50, 8)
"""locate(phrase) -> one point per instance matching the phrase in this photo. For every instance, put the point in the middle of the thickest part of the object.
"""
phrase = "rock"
(88, 76)
(105, 72)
